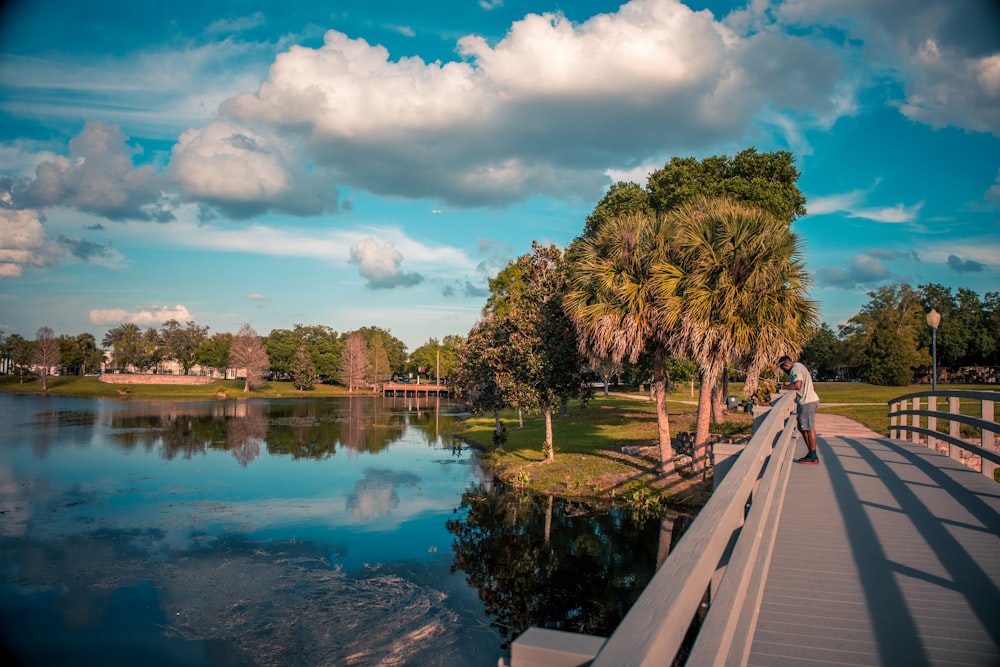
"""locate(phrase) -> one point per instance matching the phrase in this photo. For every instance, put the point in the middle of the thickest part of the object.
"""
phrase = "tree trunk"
(698, 464)
(662, 418)
(246, 384)
(550, 448)
(718, 401)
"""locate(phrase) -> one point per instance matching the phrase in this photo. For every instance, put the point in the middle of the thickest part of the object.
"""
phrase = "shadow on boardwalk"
(887, 554)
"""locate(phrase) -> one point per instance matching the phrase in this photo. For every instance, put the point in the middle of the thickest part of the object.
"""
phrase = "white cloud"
(98, 177)
(245, 172)
(946, 55)
(547, 109)
(23, 242)
(380, 265)
(854, 205)
(142, 316)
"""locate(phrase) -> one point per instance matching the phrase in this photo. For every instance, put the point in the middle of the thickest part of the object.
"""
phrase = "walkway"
(887, 554)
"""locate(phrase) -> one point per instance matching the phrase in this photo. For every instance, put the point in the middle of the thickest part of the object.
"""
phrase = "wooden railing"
(908, 417)
(723, 556)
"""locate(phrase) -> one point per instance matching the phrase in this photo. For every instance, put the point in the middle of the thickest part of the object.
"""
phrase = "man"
(800, 381)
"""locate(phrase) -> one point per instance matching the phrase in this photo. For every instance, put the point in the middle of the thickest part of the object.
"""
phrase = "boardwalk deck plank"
(887, 554)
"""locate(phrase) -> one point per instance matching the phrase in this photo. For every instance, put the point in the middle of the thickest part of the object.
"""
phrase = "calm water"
(297, 532)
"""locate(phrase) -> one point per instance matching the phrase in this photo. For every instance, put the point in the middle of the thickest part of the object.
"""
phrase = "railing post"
(932, 422)
(954, 451)
(893, 420)
(915, 437)
(986, 439)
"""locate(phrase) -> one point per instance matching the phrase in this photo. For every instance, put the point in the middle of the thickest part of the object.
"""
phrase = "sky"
(374, 162)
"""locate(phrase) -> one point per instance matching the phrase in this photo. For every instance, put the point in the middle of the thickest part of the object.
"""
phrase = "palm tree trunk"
(662, 418)
(718, 400)
(698, 465)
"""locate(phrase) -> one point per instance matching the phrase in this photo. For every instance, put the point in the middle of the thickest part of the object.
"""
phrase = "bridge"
(887, 553)
(414, 389)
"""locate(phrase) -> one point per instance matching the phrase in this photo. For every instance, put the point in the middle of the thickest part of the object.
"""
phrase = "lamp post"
(933, 321)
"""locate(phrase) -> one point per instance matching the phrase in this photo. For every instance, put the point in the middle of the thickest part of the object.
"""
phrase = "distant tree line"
(889, 341)
(304, 355)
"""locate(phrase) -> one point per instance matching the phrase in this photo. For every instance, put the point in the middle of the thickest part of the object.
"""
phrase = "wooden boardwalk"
(887, 554)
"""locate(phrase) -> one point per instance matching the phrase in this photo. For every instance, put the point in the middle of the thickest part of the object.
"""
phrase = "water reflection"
(297, 532)
(291, 532)
(538, 561)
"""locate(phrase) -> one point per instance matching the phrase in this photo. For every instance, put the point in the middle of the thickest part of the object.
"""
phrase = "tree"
(622, 198)
(822, 352)
(46, 353)
(281, 345)
(479, 366)
(435, 359)
(354, 362)
(19, 351)
(324, 348)
(381, 341)
(150, 352)
(214, 352)
(303, 371)
(613, 302)
(885, 334)
(125, 342)
(79, 353)
(734, 291)
(247, 353)
(180, 344)
(543, 366)
(764, 180)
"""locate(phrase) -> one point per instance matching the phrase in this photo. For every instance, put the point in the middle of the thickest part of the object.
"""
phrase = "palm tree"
(125, 342)
(734, 292)
(613, 304)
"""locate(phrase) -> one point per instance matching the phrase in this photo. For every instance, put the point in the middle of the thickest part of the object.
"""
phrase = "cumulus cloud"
(155, 315)
(380, 266)
(945, 55)
(547, 109)
(245, 172)
(959, 265)
(97, 177)
(23, 242)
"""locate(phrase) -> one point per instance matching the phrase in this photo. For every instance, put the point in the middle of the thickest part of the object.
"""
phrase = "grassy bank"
(589, 462)
(93, 387)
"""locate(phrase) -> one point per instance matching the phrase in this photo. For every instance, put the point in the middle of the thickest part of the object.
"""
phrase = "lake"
(353, 531)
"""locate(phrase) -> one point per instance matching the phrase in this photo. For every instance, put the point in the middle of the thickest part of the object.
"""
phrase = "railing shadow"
(905, 479)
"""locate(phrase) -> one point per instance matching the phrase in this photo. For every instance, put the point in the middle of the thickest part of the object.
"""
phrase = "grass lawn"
(589, 462)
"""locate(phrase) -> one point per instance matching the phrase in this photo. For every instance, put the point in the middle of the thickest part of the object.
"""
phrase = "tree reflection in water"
(539, 561)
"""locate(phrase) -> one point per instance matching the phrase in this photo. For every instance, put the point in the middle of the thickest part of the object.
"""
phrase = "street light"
(933, 321)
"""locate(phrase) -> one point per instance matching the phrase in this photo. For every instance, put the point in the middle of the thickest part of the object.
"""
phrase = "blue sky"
(373, 163)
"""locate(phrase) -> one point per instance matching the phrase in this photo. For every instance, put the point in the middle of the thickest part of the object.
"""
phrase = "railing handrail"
(974, 394)
(988, 428)
(655, 626)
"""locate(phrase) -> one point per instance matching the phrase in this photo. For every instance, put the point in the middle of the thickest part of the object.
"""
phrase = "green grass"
(589, 462)
(93, 387)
